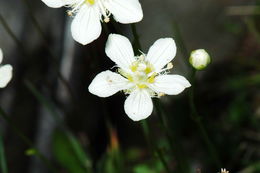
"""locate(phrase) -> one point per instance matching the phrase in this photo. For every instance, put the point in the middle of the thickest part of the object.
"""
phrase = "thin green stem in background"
(183, 165)
(35, 22)
(153, 147)
(195, 115)
(20, 45)
(179, 40)
(136, 43)
(11, 34)
(198, 120)
(83, 159)
(3, 163)
(146, 130)
(27, 141)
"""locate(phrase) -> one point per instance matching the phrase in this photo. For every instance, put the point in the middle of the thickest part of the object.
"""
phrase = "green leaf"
(70, 154)
(69, 141)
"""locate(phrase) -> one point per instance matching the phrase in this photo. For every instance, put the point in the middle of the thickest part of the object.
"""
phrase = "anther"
(69, 13)
(141, 57)
(106, 19)
(161, 94)
(169, 66)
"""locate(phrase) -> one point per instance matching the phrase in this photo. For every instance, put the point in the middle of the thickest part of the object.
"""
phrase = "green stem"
(3, 164)
(179, 40)
(52, 110)
(136, 42)
(183, 166)
(27, 141)
(153, 147)
(11, 34)
(35, 22)
(198, 120)
(20, 45)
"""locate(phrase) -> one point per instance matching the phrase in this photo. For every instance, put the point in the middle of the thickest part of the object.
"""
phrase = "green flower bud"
(199, 59)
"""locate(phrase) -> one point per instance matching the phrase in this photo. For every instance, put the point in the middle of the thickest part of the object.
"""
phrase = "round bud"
(199, 59)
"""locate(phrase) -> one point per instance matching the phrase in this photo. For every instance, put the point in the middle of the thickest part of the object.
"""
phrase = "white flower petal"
(107, 83)
(86, 26)
(125, 11)
(1, 56)
(6, 73)
(57, 3)
(119, 50)
(161, 52)
(138, 105)
(170, 84)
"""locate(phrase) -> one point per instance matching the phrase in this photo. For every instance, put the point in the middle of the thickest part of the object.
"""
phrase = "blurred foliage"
(70, 154)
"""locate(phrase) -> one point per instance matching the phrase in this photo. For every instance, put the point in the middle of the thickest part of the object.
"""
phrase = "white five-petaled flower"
(86, 26)
(142, 77)
(5, 72)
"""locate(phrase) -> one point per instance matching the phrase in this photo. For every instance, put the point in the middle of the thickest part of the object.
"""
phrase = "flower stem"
(183, 166)
(27, 141)
(198, 120)
(154, 147)
(20, 45)
(145, 126)
(11, 34)
(136, 42)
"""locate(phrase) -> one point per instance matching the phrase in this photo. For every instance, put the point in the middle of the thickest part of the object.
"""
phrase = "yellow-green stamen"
(140, 73)
(91, 2)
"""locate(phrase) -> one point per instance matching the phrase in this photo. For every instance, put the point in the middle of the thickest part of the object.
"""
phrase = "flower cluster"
(142, 76)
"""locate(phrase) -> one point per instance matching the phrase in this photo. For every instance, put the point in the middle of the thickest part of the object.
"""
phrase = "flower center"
(79, 3)
(91, 2)
(141, 73)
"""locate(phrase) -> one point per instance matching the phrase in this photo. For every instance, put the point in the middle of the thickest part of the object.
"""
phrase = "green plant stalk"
(35, 22)
(11, 34)
(3, 164)
(51, 108)
(183, 165)
(152, 146)
(197, 119)
(20, 45)
(27, 141)
(136, 42)
(179, 40)
(144, 123)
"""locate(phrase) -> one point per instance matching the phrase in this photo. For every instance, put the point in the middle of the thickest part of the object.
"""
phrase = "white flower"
(199, 59)
(5, 72)
(86, 26)
(141, 76)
